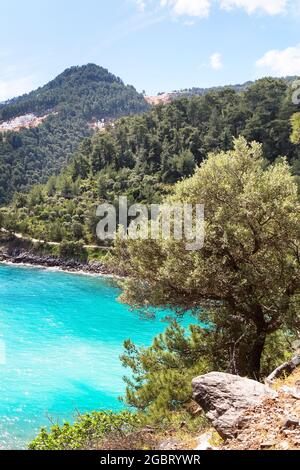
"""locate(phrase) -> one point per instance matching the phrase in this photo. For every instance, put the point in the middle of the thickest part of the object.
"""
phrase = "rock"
(290, 422)
(225, 397)
(21, 256)
(267, 444)
(293, 391)
(284, 445)
(169, 444)
(204, 442)
(148, 430)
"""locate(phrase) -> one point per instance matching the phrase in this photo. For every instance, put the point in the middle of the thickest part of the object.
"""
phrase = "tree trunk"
(256, 353)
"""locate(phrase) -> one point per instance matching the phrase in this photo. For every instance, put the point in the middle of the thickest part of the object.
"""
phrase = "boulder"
(225, 397)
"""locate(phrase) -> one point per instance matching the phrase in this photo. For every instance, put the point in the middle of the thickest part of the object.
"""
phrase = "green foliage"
(247, 274)
(73, 250)
(171, 139)
(278, 349)
(87, 431)
(295, 121)
(142, 156)
(72, 100)
(160, 383)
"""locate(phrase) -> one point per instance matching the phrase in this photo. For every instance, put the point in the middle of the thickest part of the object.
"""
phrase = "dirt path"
(20, 236)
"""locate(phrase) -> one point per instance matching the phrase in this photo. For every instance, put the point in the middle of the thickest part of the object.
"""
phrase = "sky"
(154, 45)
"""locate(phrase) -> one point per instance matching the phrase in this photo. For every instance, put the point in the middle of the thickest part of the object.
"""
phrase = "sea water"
(61, 336)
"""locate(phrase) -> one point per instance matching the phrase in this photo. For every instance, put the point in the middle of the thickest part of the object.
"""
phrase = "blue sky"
(155, 45)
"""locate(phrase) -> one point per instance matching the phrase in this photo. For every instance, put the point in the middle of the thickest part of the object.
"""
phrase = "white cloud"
(195, 8)
(10, 88)
(216, 61)
(284, 62)
(271, 7)
(141, 5)
(201, 8)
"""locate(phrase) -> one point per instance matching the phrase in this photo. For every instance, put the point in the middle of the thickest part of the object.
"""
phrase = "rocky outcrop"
(272, 425)
(225, 397)
(26, 257)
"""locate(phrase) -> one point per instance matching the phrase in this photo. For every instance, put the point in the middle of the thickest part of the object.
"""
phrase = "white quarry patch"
(20, 122)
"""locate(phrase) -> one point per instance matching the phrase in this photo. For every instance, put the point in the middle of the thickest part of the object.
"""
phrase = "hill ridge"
(80, 94)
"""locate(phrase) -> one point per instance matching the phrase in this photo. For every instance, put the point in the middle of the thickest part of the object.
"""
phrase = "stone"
(284, 445)
(292, 391)
(267, 444)
(290, 422)
(21, 256)
(225, 397)
(204, 442)
(169, 444)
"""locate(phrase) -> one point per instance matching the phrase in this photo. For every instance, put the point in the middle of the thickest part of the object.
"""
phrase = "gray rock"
(204, 442)
(290, 422)
(169, 444)
(292, 391)
(267, 444)
(284, 445)
(225, 397)
(20, 256)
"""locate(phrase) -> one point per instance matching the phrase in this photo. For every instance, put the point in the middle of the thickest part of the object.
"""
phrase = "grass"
(289, 381)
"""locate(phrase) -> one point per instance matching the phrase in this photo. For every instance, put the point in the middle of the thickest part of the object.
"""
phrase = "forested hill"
(66, 107)
(142, 156)
(196, 91)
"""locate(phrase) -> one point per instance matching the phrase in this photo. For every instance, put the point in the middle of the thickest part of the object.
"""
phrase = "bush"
(73, 250)
(88, 431)
(160, 385)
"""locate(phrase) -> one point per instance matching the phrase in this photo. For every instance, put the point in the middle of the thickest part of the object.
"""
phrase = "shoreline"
(61, 270)
(29, 259)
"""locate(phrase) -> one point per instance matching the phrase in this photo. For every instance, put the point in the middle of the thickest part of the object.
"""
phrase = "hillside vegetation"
(72, 100)
(224, 149)
(143, 156)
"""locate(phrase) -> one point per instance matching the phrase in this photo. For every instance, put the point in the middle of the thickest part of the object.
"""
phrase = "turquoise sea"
(60, 340)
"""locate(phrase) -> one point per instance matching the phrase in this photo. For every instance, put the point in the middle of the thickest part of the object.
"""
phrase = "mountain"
(40, 130)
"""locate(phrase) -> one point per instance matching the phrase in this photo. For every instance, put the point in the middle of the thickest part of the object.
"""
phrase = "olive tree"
(245, 280)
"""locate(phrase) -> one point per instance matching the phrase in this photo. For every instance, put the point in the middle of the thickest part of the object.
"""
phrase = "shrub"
(160, 382)
(87, 432)
(73, 250)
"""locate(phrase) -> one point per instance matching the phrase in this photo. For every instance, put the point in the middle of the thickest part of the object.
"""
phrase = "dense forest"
(196, 91)
(143, 155)
(72, 100)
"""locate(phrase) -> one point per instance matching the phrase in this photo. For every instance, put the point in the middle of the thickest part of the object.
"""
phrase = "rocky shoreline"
(23, 257)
